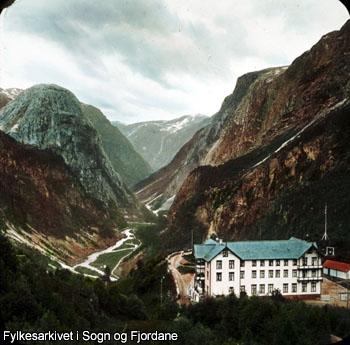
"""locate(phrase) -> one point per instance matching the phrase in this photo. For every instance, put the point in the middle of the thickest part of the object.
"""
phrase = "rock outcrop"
(165, 183)
(50, 117)
(59, 188)
(281, 140)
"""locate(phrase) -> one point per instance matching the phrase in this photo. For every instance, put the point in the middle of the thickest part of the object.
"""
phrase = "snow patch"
(150, 201)
(14, 128)
(177, 126)
(11, 93)
(166, 205)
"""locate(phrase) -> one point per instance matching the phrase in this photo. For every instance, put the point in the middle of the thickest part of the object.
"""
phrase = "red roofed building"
(336, 269)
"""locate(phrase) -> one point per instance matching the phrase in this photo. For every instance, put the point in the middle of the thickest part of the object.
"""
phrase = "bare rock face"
(4, 99)
(281, 142)
(59, 189)
(165, 183)
(51, 118)
(263, 106)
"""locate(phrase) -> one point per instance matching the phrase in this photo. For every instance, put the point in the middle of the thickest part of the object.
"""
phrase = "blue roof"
(208, 251)
(293, 248)
(210, 241)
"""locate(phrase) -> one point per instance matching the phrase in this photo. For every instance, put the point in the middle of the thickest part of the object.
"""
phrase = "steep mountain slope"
(282, 154)
(263, 106)
(50, 117)
(125, 160)
(161, 187)
(4, 99)
(159, 141)
(43, 204)
(66, 200)
(7, 95)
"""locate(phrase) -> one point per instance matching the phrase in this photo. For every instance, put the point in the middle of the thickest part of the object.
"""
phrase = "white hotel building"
(258, 268)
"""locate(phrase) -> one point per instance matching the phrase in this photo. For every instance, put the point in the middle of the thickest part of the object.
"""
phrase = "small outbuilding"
(336, 269)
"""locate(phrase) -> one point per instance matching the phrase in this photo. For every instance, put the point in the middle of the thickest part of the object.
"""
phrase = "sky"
(140, 60)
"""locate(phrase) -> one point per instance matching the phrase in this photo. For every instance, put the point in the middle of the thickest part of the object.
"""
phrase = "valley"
(235, 174)
(110, 257)
(106, 225)
(228, 180)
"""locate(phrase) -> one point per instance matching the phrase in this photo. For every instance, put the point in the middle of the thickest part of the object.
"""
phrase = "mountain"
(7, 95)
(158, 141)
(125, 160)
(50, 118)
(274, 154)
(43, 204)
(160, 188)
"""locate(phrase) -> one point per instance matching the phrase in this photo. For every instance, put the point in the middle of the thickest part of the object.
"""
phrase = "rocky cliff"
(59, 189)
(263, 105)
(159, 141)
(280, 143)
(125, 160)
(165, 183)
(50, 117)
(43, 204)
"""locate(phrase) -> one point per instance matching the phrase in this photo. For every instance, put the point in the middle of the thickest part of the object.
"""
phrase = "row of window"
(270, 274)
(277, 274)
(272, 262)
(254, 263)
(261, 288)
(314, 262)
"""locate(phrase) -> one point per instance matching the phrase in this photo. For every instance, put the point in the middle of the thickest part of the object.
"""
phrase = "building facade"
(292, 267)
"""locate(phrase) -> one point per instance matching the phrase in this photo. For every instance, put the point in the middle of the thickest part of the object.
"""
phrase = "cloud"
(150, 59)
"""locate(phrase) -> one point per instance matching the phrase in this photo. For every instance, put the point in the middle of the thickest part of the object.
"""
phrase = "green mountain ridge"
(125, 160)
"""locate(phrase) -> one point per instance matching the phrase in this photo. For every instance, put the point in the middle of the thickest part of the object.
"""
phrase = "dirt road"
(182, 281)
(129, 235)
